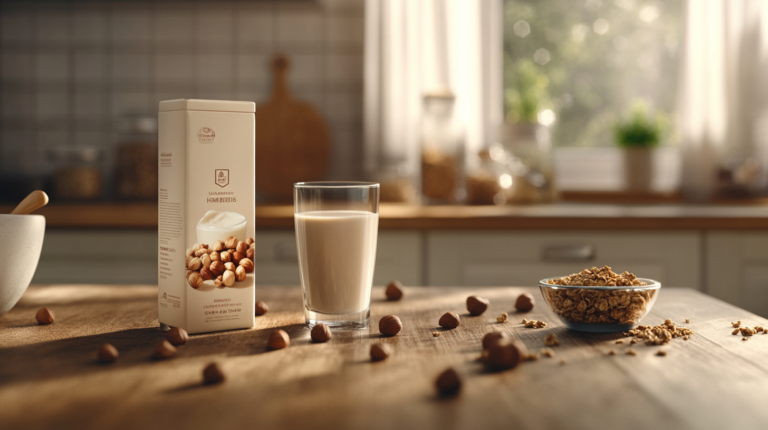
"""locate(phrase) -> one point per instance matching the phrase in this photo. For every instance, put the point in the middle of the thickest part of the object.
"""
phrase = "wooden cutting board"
(292, 139)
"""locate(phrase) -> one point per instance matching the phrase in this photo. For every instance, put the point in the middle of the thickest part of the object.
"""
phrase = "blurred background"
(527, 108)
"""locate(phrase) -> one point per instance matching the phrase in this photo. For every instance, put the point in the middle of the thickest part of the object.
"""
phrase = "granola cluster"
(533, 323)
(660, 334)
(747, 331)
(595, 277)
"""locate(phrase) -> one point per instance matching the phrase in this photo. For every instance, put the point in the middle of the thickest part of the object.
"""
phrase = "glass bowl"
(600, 309)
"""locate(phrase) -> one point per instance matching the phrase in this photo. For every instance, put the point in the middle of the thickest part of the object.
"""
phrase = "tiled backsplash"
(71, 70)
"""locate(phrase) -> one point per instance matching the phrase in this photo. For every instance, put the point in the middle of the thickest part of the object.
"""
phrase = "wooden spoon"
(34, 201)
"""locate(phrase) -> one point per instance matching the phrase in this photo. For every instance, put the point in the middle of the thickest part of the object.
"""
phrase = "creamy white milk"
(215, 225)
(337, 253)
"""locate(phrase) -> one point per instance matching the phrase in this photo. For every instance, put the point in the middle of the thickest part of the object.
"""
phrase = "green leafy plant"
(642, 128)
(527, 94)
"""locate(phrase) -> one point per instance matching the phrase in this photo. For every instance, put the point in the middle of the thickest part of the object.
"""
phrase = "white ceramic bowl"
(22, 238)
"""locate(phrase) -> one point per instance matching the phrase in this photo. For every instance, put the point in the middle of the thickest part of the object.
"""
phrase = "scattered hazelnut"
(240, 274)
(278, 339)
(212, 374)
(524, 302)
(261, 308)
(249, 241)
(390, 325)
(217, 268)
(241, 247)
(506, 355)
(230, 266)
(448, 383)
(493, 338)
(380, 352)
(247, 264)
(45, 316)
(206, 274)
(107, 353)
(195, 264)
(206, 260)
(250, 253)
(225, 256)
(214, 256)
(231, 242)
(394, 290)
(449, 320)
(177, 336)
(687, 320)
(321, 333)
(195, 280)
(476, 305)
(237, 256)
(228, 278)
(217, 246)
(164, 350)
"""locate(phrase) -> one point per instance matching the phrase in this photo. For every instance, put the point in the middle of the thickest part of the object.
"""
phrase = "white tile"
(52, 104)
(174, 66)
(130, 25)
(16, 66)
(299, 26)
(16, 25)
(16, 104)
(214, 25)
(305, 70)
(255, 26)
(89, 66)
(346, 29)
(253, 66)
(89, 105)
(344, 68)
(130, 66)
(131, 104)
(53, 26)
(91, 138)
(174, 26)
(214, 90)
(15, 147)
(89, 26)
(214, 66)
(344, 108)
(52, 66)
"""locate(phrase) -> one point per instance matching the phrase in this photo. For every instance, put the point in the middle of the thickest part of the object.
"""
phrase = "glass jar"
(396, 182)
(442, 150)
(135, 171)
(530, 162)
(78, 175)
(490, 183)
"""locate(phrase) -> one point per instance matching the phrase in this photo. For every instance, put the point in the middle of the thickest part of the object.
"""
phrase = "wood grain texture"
(49, 377)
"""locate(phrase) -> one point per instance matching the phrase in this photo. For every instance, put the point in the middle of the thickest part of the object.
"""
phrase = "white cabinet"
(737, 269)
(487, 258)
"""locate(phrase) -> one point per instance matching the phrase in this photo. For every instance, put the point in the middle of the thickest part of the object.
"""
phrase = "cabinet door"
(398, 256)
(737, 269)
(483, 258)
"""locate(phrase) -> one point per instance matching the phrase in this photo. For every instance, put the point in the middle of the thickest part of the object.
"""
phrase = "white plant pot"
(638, 169)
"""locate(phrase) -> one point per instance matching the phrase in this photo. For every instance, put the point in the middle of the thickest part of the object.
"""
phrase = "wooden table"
(49, 377)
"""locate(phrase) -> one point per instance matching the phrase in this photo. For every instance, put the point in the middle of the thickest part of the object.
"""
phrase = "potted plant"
(637, 134)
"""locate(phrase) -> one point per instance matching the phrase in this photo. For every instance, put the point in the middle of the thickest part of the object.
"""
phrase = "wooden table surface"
(49, 377)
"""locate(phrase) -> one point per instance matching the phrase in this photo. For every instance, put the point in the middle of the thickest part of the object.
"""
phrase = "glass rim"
(336, 184)
(651, 285)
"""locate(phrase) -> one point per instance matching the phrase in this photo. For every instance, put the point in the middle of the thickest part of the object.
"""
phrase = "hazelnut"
(195, 264)
(217, 246)
(212, 374)
(195, 247)
(240, 274)
(225, 256)
(476, 305)
(215, 256)
(448, 383)
(200, 252)
(380, 351)
(390, 325)
(242, 247)
(228, 278)
(252, 246)
(164, 350)
(205, 260)
(449, 320)
(188, 259)
(45, 316)
(231, 242)
(247, 264)
(249, 241)
(217, 282)
(524, 302)
(190, 252)
(261, 308)
(195, 280)
(217, 268)
(321, 333)
(206, 274)
(230, 266)
(493, 338)
(177, 336)
(394, 290)
(278, 339)
(236, 257)
(107, 353)
(506, 355)
(250, 253)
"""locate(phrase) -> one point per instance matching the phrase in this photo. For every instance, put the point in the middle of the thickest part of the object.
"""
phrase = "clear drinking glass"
(337, 226)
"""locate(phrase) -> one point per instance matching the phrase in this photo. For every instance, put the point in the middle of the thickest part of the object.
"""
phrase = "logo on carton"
(206, 135)
(165, 295)
(222, 177)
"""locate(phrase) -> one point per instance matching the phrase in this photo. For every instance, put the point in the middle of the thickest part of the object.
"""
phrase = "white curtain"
(724, 88)
(415, 46)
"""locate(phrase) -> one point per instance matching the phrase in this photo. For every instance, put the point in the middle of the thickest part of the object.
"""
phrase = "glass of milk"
(336, 230)
(216, 225)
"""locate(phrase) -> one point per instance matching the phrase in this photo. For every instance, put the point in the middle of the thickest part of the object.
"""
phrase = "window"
(578, 64)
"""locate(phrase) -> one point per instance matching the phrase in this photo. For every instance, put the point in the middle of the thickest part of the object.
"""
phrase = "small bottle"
(490, 182)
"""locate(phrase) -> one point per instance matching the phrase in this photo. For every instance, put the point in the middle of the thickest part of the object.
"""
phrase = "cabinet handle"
(286, 252)
(568, 253)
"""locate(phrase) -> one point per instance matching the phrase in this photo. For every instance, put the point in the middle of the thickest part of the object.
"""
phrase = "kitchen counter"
(561, 216)
(49, 377)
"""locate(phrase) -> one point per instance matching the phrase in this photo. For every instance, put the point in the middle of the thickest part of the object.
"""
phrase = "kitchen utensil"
(34, 201)
(24, 235)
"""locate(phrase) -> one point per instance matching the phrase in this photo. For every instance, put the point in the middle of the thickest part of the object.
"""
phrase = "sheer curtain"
(414, 46)
(723, 105)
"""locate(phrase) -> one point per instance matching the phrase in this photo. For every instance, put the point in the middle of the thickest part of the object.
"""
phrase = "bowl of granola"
(599, 300)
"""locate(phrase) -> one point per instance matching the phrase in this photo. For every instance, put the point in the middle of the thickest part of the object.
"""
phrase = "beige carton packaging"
(207, 193)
